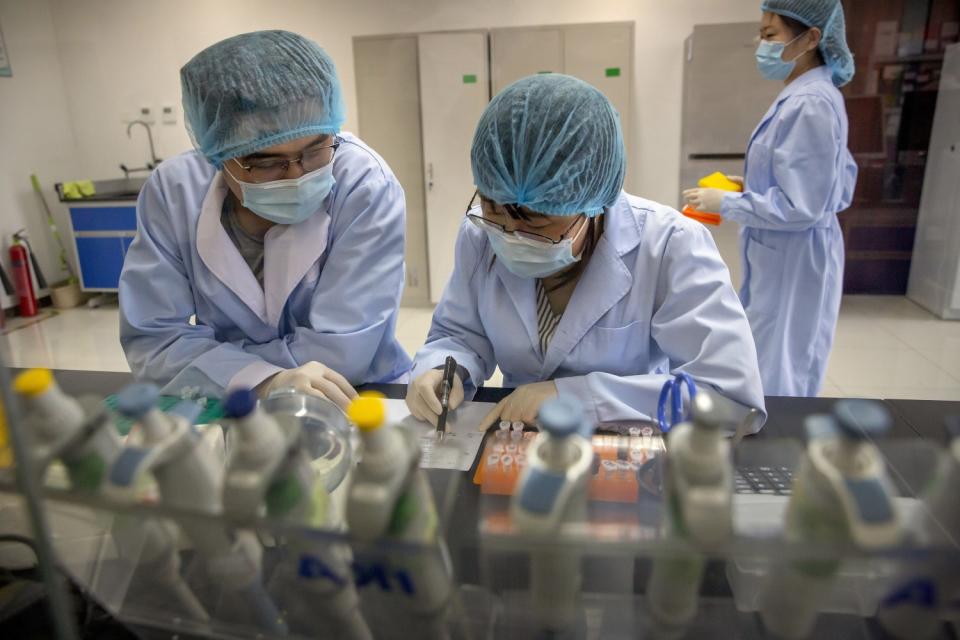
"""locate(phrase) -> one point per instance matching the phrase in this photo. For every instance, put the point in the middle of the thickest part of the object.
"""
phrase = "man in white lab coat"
(280, 235)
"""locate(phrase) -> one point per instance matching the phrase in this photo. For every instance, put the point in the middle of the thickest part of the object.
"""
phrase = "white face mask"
(288, 201)
(531, 259)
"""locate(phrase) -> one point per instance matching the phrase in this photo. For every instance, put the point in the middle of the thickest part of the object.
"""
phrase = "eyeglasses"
(313, 158)
(485, 224)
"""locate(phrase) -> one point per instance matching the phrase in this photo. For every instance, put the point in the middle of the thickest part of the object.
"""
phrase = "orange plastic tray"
(614, 474)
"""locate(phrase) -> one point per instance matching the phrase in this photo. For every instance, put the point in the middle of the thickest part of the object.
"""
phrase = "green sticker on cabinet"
(469, 78)
(612, 72)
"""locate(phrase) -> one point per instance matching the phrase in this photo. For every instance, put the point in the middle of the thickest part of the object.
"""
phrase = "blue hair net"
(826, 15)
(551, 143)
(256, 90)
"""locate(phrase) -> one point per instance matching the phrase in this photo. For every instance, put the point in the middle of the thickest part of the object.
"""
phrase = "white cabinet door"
(454, 89)
(724, 97)
(935, 268)
(388, 107)
(602, 54)
(518, 53)
(723, 100)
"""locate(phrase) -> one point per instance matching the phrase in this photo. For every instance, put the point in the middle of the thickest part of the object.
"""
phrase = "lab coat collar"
(603, 284)
(817, 74)
(522, 292)
(622, 226)
(289, 253)
(219, 254)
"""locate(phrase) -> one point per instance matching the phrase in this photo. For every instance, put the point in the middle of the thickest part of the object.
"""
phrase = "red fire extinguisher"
(22, 281)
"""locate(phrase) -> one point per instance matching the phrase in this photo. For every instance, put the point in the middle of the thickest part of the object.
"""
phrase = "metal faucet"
(154, 160)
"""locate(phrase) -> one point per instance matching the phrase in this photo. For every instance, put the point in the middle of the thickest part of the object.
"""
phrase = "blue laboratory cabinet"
(102, 233)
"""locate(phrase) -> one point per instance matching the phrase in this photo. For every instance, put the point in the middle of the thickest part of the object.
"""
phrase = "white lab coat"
(332, 284)
(654, 298)
(799, 175)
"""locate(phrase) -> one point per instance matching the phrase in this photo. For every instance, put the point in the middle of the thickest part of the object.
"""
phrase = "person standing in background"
(799, 176)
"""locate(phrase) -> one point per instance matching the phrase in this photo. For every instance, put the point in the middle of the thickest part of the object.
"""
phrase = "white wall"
(118, 54)
(36, 135)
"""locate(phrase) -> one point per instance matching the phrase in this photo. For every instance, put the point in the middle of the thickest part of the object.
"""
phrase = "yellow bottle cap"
(33, 382)
(367, 412)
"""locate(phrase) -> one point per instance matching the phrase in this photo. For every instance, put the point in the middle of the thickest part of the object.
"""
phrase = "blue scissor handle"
(673, 390)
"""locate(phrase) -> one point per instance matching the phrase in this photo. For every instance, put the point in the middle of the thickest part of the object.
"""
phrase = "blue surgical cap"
(551, 143)
(257, 90)
(826, 15)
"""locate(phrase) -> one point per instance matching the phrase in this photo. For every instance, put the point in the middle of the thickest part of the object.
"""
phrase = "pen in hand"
(446, 385)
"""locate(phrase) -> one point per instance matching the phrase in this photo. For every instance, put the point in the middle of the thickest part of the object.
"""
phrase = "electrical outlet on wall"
(146, 113)
(168, 113)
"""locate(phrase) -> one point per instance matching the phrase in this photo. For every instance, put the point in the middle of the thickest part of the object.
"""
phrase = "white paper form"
(461, 444)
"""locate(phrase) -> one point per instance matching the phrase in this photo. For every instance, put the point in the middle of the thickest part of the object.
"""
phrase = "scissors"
(672, 392)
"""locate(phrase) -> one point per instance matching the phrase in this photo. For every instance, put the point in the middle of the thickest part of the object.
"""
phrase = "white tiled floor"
(889, 347)
(886, 347)
(84, 339)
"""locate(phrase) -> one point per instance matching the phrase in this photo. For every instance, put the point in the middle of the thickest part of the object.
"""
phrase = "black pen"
(446, 385)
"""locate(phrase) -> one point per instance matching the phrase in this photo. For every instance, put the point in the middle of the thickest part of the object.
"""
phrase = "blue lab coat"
(331, 291)
(799, 175)
(654, 298)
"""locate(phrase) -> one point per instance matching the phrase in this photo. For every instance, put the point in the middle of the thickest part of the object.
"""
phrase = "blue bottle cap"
(820, 425)
(240, 403)
(137, 399)
(862, 419)
(561, 417)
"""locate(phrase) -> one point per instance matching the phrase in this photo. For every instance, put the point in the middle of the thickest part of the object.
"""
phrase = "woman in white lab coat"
(570, 285)
(280, 236)
(799, 175)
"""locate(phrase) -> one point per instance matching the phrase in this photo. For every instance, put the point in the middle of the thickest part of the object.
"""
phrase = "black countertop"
(926, 417)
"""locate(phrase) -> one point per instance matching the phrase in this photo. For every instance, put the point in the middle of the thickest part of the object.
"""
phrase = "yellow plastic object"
(368, 412)
(77, 189)
(717, 180)
(6, 454)
(33, 382)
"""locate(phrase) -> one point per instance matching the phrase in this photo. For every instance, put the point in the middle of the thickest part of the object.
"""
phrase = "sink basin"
(119, 186)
